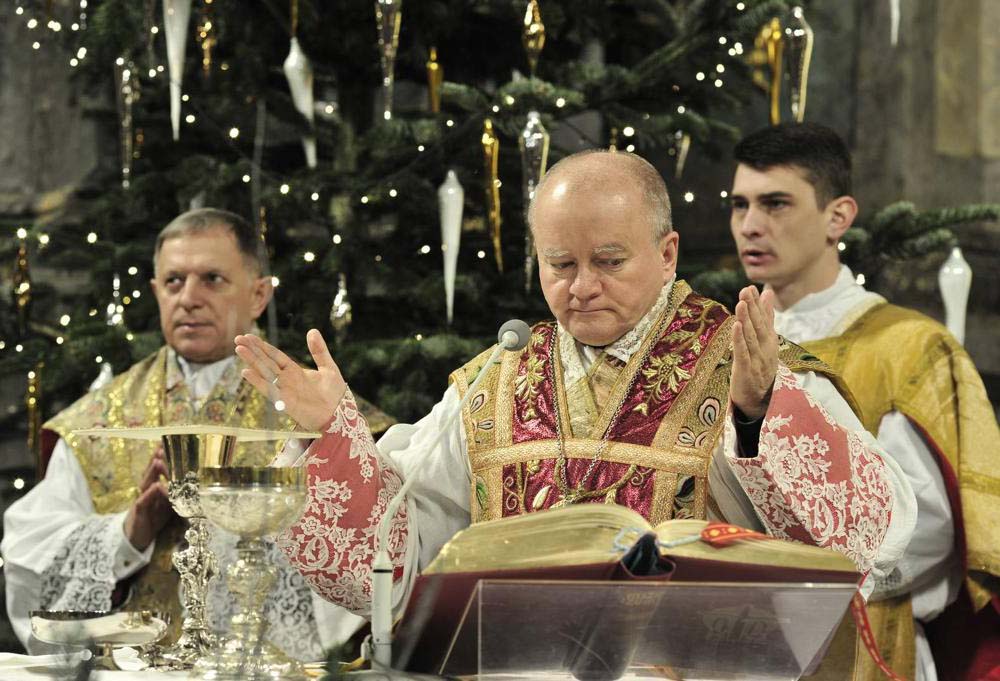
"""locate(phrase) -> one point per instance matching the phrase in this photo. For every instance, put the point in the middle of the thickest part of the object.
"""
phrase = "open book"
(595, 542)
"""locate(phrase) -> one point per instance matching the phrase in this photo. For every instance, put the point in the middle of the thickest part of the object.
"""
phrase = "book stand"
(600, 631)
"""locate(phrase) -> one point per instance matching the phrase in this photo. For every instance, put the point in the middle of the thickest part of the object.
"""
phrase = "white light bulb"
(689, 196)
(234, 133)
(284, 189)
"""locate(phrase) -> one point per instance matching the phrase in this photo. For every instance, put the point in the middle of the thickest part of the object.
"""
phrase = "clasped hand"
(755, 353)
(310, 395)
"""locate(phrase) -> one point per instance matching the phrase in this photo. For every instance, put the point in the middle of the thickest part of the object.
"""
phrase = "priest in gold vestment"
(640, 393)
(914, 386)
(98, 528)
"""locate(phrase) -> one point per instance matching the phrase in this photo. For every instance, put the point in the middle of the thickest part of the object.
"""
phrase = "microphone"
(512, 336)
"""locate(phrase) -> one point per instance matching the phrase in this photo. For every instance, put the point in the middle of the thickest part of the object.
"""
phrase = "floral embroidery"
(526, 385)
(664, 369)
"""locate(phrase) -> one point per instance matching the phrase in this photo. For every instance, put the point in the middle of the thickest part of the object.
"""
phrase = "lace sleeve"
(813, 480)
(333, 544)
(81, 575)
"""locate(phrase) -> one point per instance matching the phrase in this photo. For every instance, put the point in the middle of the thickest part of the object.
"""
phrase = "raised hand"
(152, 510)
(755, 352)
(310, 395)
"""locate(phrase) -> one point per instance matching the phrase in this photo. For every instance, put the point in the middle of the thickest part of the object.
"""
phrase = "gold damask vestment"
(894, 359)
(151, 393)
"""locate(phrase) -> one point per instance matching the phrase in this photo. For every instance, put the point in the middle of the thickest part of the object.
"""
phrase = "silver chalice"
(251, 502)
(185, 455)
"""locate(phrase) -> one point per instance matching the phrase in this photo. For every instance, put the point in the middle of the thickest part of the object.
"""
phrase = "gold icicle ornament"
(33, 402)
(533, 34)
(491, 160)
(21, 288)
(435, 78)
(799, 36)
(613, 140)
(683, 147)
(766, 58)
(206, 36)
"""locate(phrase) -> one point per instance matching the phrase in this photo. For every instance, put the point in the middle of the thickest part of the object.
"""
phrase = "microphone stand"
(513, 335)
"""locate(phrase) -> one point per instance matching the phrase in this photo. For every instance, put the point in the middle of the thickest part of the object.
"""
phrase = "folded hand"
(755, 353)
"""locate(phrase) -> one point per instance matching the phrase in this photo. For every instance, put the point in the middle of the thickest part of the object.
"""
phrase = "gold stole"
(588, 397)
(113, 468)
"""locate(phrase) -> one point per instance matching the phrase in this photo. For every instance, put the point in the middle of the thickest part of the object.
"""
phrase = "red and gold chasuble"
(650, 443)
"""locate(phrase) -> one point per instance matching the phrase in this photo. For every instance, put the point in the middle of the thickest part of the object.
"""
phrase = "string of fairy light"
(232, 133)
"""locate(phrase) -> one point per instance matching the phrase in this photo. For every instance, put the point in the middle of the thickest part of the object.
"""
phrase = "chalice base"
(183, 654)
(235, 661)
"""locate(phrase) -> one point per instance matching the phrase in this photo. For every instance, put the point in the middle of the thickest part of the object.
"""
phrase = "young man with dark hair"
(916, 388)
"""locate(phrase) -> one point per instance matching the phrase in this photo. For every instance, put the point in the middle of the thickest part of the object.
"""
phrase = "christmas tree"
(386, 98)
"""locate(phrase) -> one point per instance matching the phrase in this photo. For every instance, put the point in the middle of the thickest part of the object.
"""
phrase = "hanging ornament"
(533, 34)
(955, 279)
(176, 15)
(798, 52)
(206, 37)
(491, 159)
(766, 57)
(299, 73)
(21, 286)
(435, 78)
(388, 17)
(127, 93)
(534, 146)
(894, 22)
(115, 313)
(613, 140)
(451, 201)
(683, 146)
(104, 377)
(33, 402)
(340, 311)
